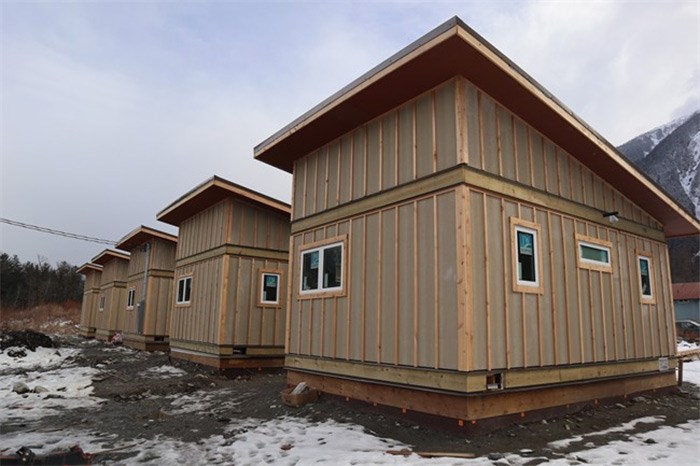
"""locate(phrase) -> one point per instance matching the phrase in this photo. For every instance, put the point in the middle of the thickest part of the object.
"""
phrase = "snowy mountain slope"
(670, 155)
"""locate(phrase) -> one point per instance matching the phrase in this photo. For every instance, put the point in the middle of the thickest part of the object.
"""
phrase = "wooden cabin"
(111, 302)
(91, 297)
(148, 288)
(230, 273)
(465, 246)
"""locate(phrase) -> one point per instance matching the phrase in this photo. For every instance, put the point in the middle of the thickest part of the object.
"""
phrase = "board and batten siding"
(582, 315)
(91, 296)
(113, 288)
(401, 306)
(451, 124)
(224, 308)
(160, 285)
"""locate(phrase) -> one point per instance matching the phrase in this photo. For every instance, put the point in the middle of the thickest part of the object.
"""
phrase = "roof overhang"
(454, 49)
(686, 291)
(141, 235)
(212, 191)
(89, 267)
(109, 255)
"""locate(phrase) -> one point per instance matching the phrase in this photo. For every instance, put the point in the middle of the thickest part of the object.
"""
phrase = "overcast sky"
(112, 110)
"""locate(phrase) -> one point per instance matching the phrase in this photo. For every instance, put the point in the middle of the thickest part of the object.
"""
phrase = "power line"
(58, 232)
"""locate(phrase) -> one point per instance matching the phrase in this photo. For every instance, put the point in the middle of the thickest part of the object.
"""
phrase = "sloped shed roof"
(455, 49)
(142, 234)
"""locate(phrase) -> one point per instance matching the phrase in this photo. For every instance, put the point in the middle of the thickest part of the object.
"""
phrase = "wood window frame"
(101, 303)
(320, 245)
(517, 224)
(594, 243)
(180, 278)
(647, 256)
(280, 288)
(130, 292)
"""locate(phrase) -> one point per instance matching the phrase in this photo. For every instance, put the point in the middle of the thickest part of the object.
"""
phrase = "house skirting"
(147, 342)
(86, 332)
(254, 358)
(467, 407)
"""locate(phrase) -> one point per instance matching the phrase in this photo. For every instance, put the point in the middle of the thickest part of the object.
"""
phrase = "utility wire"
(58, 232)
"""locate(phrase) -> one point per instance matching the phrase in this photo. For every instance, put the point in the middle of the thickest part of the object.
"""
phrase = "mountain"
(670, 155)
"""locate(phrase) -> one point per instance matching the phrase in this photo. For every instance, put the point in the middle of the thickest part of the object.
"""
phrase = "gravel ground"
(147, 395)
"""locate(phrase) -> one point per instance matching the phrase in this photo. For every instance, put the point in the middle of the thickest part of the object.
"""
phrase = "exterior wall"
(158, 301)
(582, 315)
(113, 288)
(410, 142)
(430, 275)
(224, 311)
(401, 308)
(91, 296)
(687, 309)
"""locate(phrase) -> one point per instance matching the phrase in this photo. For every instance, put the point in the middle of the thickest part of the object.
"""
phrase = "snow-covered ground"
(291, 440)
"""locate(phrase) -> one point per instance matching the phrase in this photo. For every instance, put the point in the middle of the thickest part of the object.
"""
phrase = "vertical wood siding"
(91, 296)
(413, 141)
(112, 286)
(401, 305)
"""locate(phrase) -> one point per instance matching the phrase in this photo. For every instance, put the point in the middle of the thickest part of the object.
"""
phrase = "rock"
(650, 441)
(16, 353)
(525, 451)
(589, 445)
(495, 456)
(639, 399)
(21, 388)
(28, 339)
(40, 389)
(620, 405)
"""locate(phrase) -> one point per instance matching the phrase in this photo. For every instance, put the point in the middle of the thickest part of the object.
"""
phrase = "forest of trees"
(29, 284)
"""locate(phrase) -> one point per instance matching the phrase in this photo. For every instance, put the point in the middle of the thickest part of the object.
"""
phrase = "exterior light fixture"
(611, 216)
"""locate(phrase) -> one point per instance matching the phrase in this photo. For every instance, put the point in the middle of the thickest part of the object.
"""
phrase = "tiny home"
(464, 246)
(148, 288)
(686, 298)
(109, 318)
(230, 273)
(91, 297)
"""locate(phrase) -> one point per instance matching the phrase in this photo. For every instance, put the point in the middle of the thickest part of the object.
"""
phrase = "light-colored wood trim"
(363, 314)
(306, 179)
(649, 256)
(582, 264)
(566, 290)
(351, 179)
(380, 249)
(280, 287)
(668, 301)
(553, 297)
(415, 283)
(290, 301)
(414, 139)
(499, 148)
(397, 294)
(478, 179)
(506, 291)
(463, 235)
(613, 305)
(487, 281)
(482, 157)
(518, 288)
(339, 178)
(433, 116)
(345, 286)
(623, 309)
(461, 123)
(232, 250)
(436, 282)
(223, 298)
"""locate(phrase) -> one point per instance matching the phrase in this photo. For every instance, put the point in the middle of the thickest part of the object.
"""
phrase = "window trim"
(101, 302)
(130, 292)
(520, 286)
(647, 256)
(341, 240)
(177, 290)
(594, 243)
(280, 288)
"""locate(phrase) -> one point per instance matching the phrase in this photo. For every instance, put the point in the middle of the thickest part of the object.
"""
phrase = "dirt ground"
(139, 408)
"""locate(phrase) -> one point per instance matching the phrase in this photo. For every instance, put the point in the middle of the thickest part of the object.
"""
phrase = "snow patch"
(162, 372)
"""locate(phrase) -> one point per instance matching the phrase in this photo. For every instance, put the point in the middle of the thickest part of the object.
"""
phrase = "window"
(102, 302)
(526, 252)
(184, 290)
(645, 279)
(593, 253)
(270, 283)
(130, 298)
(322, 268)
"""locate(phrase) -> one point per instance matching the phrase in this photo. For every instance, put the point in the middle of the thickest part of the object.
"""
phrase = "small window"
(102, 302)
(593, 253)
(322, 268)
(269, 288)
(130, 298)
(645, 279)
(184, 290)
(526, 256)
